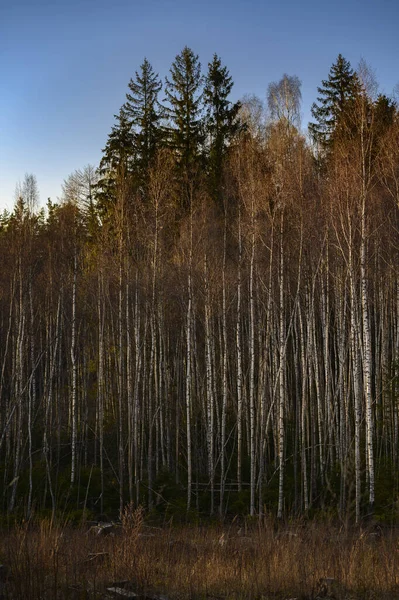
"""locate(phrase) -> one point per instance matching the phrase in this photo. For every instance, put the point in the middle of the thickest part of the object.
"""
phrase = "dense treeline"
(210, 321)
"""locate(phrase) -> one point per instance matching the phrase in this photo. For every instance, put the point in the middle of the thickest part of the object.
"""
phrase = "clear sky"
(65, 64)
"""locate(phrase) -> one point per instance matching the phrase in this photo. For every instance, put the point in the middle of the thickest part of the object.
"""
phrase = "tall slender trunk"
(305, 392)
(101, 382)
(251, 344)
(129, 393)
(281, 432)
(224, 373)
(189, 363)
(18, 387)
(239, 356)
(367, 356)
(31, 395)
(121, 378)
(365, 147)
(74, 371)
(210, 402)
(136, 408)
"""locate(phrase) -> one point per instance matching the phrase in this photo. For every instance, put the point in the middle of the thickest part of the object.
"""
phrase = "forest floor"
(214, 562)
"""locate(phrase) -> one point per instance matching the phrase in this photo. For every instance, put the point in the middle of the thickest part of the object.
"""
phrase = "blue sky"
(65, 65)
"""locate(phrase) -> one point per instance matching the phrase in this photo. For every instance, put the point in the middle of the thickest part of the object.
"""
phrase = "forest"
(207, 323)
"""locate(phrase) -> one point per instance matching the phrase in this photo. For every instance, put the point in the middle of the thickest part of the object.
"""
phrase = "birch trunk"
(224, 374)
(239, 356)
(251, 344)
(189, 363)
(74, 371)
(282, 342)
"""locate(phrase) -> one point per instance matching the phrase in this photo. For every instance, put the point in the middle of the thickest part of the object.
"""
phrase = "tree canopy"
(209, 322)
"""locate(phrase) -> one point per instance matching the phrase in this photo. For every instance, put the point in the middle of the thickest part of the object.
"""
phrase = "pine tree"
(144, 113)
(183, 92)
(333, 109)
(222, 123)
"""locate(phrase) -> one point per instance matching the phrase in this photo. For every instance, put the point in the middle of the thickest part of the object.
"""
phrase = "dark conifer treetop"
(332, 106)
(221, 121)
(184, 114)
(117, 161)
(144, 113)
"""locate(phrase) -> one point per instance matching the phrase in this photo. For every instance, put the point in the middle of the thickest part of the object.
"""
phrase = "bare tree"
(284, 100)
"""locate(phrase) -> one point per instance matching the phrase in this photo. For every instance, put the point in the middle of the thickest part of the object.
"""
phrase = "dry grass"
(199, 562)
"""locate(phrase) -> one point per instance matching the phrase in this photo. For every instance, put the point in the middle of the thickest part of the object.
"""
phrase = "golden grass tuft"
(259, 562)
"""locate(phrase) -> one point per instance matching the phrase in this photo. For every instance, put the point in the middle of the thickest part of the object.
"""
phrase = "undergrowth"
(250, 560)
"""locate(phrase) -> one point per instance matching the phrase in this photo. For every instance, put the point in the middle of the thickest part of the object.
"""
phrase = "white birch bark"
(282, 400)
(121, 385)
(74, 370)
(224, 374)
(367, 357)
(251, 343)
(101, 382)
(209, 388)
(189, 363)
(239, 355)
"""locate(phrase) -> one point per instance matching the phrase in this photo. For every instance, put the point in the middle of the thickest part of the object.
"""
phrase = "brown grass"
(258, 562)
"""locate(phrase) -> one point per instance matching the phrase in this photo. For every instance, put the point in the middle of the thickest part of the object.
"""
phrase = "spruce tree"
(385, 110)
(184, 94)
(332, 111)
(221, 124)
(144, 114)
(117, 162)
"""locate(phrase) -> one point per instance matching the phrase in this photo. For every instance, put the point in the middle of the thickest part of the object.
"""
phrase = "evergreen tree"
(144, 114)
(385, 111)
(333, 109)
(222, 123)
(117, 162)
(183, 92)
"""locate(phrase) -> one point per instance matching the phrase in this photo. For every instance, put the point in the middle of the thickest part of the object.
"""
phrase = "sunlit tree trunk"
(281, 405)
(239, 354)
(251, 344)
(210, 402)
(367, 356)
